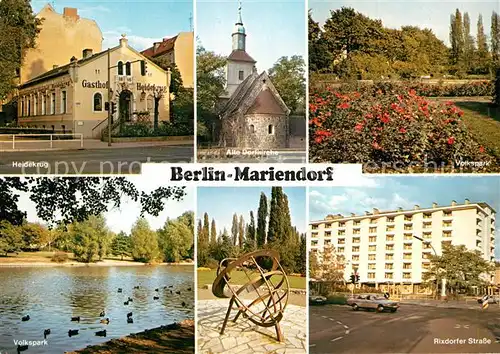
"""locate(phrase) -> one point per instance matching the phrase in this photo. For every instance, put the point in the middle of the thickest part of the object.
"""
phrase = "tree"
(11, 239)
(67, 199)
(468, 43)
(211, 81)
(288, 76)
(213, 232)
(457, 39)
(331, 265)
(319, 57)
(262, 220)
(482, 53)
(120, 246)
(144, 242)
(241, 232)
(250, 239)
(33, 235)
(176, 239)
(89, 238)
(234, 229)
(224, 248)
(313, 265)
(206, 229)
(463, 269)
(495, 38)
(19, 29)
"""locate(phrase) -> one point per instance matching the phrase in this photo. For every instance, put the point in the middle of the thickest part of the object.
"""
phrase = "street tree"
(463, 269)
(19, 29)
(331, 266)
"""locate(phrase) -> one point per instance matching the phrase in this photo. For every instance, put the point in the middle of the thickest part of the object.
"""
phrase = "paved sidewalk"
(472, 305)
(88, 144)
(243, 336)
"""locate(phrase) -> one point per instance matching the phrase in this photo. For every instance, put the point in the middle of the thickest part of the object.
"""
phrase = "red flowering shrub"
(395, 126)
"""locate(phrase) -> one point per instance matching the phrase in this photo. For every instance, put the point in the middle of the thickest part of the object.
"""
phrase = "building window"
(252, 128)
(240, 74)
(63, 128)
(127, 69)
(372, 257)
(372, 266)
(372, 248)
(44, 104)
(29, 106)
(371, 275)
(120, 68)
(53, 105)
(270, 129)
(63, 102)
(356, 240)
(98, 102)
(355, 248)
(35, 103)
(22, 107)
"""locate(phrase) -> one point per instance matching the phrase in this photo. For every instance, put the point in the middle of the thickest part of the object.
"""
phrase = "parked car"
(317, 300)
(491, 300)
(372, 302)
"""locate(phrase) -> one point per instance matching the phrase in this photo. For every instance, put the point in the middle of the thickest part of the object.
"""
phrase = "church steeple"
(239, 32)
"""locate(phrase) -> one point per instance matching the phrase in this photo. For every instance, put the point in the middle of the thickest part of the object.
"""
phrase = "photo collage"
(245, 176)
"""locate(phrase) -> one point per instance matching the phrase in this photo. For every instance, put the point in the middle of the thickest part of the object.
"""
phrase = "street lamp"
(443, 280)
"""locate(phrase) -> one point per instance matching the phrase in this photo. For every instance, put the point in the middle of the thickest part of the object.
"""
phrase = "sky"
(144, 22)
(274, 28)
(389, 193)
(222, 202)
(123, 219)
(422, 13)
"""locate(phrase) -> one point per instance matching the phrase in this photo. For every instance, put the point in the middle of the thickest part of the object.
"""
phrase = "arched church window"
(98, 101)
(120, 68)
(127, 69)
(252, 128)
(270, 129)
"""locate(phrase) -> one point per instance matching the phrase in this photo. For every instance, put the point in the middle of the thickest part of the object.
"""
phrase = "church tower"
(240, 65)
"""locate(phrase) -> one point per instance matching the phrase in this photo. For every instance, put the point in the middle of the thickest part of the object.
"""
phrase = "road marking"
(324, 316)
(332, 319)
(457, 326)
(347, 331)
(466, 326)
(336, 339)
(312, 345)
(346, 326)
(340, 323)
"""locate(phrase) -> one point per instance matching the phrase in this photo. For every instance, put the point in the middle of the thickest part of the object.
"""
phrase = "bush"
(60, 257)
(496, 96)
(145, 129)
(394, 126)
(336, 300)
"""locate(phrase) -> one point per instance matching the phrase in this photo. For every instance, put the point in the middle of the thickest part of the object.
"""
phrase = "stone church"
(252, 113)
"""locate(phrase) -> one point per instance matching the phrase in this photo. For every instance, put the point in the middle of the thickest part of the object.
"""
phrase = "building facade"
(61, 37)
(178, 50)
(252, 112)
(72, 98)
(382, 248)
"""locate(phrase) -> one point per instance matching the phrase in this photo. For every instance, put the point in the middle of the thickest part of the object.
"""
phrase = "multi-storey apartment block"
(392, 247)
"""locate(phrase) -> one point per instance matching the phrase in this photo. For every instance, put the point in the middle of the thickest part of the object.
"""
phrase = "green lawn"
(482, 119)
(208, 276)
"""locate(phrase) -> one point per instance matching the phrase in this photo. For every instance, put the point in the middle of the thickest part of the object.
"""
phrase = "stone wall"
(258, 136)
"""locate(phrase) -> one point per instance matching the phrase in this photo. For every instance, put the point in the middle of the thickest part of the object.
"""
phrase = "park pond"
(52, 296)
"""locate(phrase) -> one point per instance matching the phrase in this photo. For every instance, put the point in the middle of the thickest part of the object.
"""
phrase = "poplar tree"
(213, 233)
(482, 53)
(262, 213)
(495, 38)
(206, 229)
(241, 232)
(468, 53)
(456, 38)
(234, 229)
(274, 216)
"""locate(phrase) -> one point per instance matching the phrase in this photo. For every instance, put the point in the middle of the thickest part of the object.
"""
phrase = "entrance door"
(125, 106)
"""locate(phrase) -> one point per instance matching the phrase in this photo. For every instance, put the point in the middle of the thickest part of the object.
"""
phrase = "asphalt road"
(95, 161)
(412, 329)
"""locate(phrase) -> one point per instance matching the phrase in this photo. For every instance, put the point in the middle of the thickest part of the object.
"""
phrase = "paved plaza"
(245, 337)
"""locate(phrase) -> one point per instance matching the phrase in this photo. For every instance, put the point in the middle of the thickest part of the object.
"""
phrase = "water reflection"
(52, 296)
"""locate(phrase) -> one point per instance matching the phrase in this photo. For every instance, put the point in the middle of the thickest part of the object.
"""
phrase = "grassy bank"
(482, 119)
(208, 276)
(174, 338)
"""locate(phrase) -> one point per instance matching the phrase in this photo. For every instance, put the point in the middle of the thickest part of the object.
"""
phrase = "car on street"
(378, 303)
(491, 299)
(317, 300)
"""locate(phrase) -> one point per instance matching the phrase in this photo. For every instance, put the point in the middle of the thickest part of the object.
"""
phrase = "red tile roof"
(165, 46)
(240, 55)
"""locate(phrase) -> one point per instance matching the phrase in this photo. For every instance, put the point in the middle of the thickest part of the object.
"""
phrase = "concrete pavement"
(243, 336)
(412, 329)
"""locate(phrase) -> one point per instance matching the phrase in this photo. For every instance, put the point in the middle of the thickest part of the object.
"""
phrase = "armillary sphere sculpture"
(261, 293)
